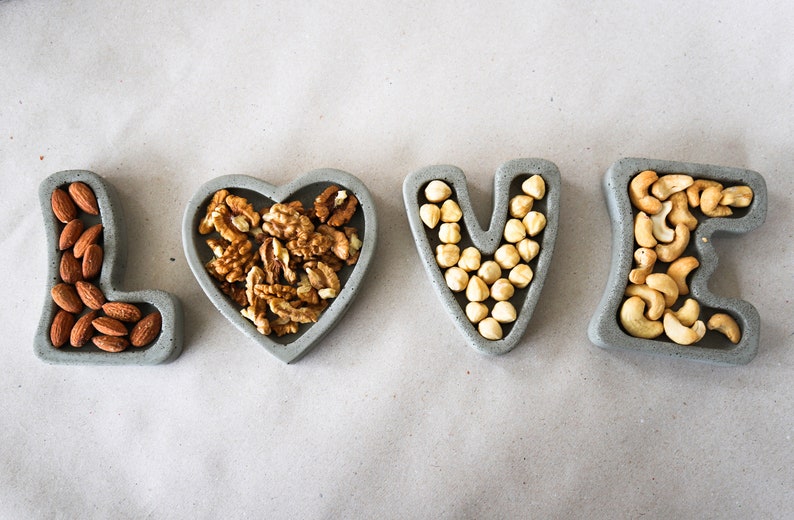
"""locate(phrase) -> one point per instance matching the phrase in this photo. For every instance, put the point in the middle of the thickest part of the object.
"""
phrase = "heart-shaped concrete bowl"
(168, 344)
(507, 183)
(291, 347)
(605, 330)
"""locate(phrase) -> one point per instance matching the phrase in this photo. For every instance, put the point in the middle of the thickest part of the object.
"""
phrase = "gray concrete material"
(507, 182)
(169, 343)
(604, 329)
(291, 347)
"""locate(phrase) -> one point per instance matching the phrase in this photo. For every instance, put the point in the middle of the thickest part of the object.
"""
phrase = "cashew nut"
(632, 317)
(654, 300)
(737, 196)
(665, 285)
(643, 230)
(638, 192)
(669, 184)
(681, 334)
(680, 269)
(710, 203)
(661, 230)
(645, 258)
(671, 251)
(688, 313)
(680, 213)
(724, 323)
(693, 192)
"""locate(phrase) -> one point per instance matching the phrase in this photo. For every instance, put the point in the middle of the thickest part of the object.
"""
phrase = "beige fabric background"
(393, 416)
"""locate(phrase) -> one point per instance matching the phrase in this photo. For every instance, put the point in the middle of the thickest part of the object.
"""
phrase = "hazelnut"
(504, 312)
(520, 276)
(437, 191)
(528, 249)
(507, 256)
(514, 231)
(489, 328)
(450, 211)
(476, 311)
(429, 213)
(489, 271)
(502, 290)
(469, 259)
(476, 290)
(535, 187)
(457, 279)
(449, 233)
(447, 255)
(534, 221)
(520, 205)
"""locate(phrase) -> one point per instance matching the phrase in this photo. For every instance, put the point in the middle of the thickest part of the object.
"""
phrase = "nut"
(476, 311)
(671, 251)
(489, 328)
(643, 230)
(61, 328)
(669, 184)
(514, 231)
(507, 256)
(457, 279)
(520, 276)
(70, 233)
(447, 255)
(109, 326)
(654, 300)
(89, 236)
(632, 317)
(477, 290)
(62, 206)
(70, 269)
(437, 191)
(84, 197)
(92, 261)
(688, 313)
(724, 323)
(504, 312)
(449, 233)
(146, 330)
(528, 249)
(680, 213)
(110, 343)
(520, 205)
(534, 222)
(430, 215)
(665, 285)
(710, 203)
(122, 311)
(489, 272)
(680, 269)
(693, 192)
(681, 334)
(90, 294)
(645, 259)
(450, 211)
(638, 192)
(83, 330)
(661, 230)
(737, 196)
(535, 187)
(65, 296)
(470, 259)
(502, 290)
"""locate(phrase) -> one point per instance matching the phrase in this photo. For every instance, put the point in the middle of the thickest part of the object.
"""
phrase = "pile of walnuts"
(281, 263)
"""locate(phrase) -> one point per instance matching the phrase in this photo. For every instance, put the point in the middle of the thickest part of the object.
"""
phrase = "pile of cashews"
(663, 225)
(488, 292)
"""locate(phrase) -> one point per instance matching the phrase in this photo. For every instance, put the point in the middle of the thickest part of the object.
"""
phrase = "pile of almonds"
(663, 224)
(489, 285)
(84, 314)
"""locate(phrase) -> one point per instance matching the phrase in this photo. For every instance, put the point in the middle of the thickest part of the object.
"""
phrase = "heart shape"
(290, 347)
(507, 183)
(169, 342)
(605, 330)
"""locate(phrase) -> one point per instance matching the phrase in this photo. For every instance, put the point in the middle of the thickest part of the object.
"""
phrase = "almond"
(84, 197)
(65, 297)
(122, 311)
(92, 261)
(62, 206)
(83, 329)
(146, 330)
(109, 326)
(70, 233)
(110, 343)
(90, 294)
(89, 236)
(61, 328)
(70, 269)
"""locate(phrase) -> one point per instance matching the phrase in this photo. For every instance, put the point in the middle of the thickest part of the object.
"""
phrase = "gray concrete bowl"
(507, 182)
(605, 330)
(168, 344)
(291, 347)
